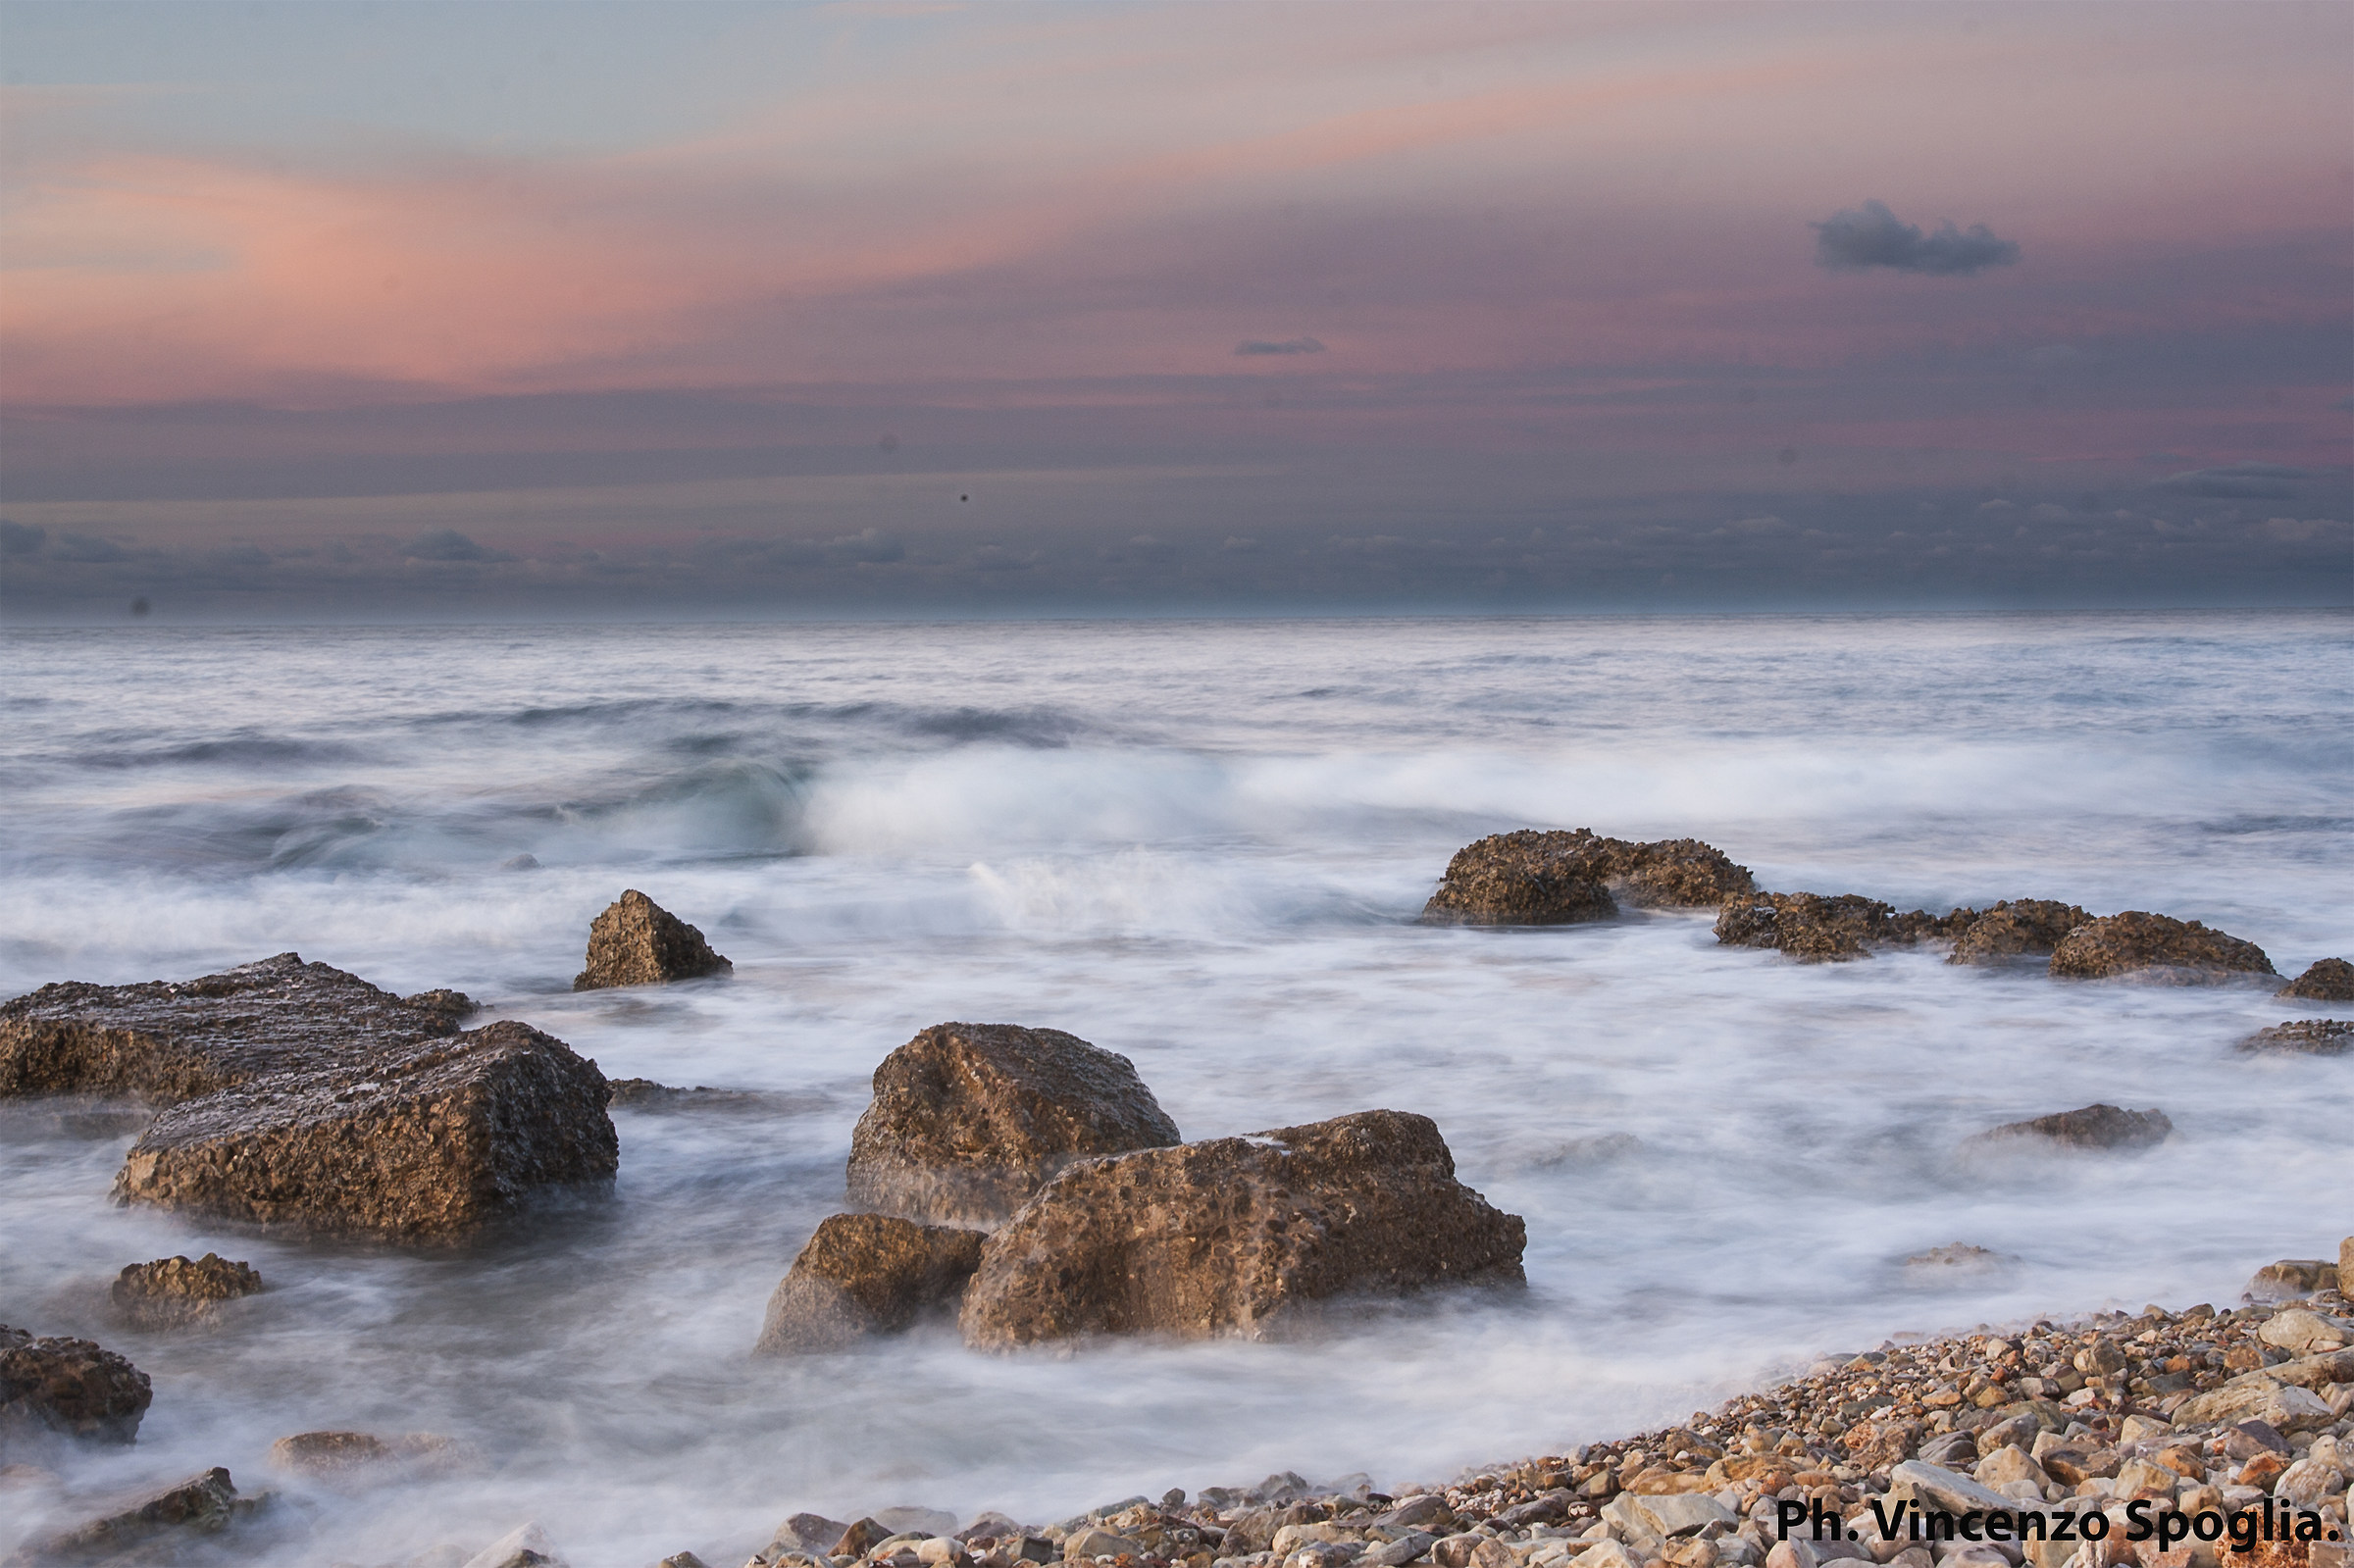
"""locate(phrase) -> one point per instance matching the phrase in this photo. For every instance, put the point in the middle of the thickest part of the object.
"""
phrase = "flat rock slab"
(866, 1274)
(969, 1119)
(74, 1386)
(636, 942)
(2105, 1127)
(426, 1142)
(1236, 1235)
(169, 1040)
(2156, 949)
(2310, 1036)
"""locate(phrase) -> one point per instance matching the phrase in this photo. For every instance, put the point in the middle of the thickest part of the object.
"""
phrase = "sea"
(1203, 845)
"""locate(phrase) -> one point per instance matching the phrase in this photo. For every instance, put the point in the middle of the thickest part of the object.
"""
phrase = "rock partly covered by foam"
(1537, 877)
(2326, 979)
(74, 1386)
(2014, 928)
(170, 1041)
(1237, 1234)
(864, 1274)
(156, 1529)
(175, 1291)
(968, 1120)
(2310, 1036)
(2155, 947)
(2091, 1127)
(424, 1142)
(636, 942)
(1818, 928)
(343, 1458)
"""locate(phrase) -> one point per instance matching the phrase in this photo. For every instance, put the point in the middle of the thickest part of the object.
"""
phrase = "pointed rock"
(636, 942)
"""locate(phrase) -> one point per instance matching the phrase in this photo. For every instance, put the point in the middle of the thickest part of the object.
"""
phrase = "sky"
(320, 311)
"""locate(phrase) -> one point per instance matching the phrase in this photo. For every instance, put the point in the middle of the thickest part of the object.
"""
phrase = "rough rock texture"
(175, 1291)
(636, 942)
(968, 1120)
(2312, 1037)
(2292, 1278)
(865, 1273)
(1235, 1234)
(1817, 928)
(70, 1385)
(2326, 979)
(344, 1457)
(170, 1041)
(2092, 1127)
(2156, 947)
(424, 1142)
(1533, 877)
(2014, 928)
(155, 1527)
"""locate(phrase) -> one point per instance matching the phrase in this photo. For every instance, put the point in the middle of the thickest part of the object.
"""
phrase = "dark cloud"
(1288, 345)
(2239, 481)
(448, 545)
(19, 541)
(1870, 235)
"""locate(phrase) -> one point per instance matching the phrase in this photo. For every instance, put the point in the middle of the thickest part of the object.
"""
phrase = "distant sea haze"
(1203, 845)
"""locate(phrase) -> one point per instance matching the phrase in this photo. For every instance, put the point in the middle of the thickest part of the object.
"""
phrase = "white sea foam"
(1202, 846)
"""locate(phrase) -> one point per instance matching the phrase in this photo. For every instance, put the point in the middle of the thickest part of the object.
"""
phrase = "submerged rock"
(636, 942)
(155, 1527)
(2326, 979)
(74, 1386)
(968, 1120)
(1237, 1235)
(170, 1041)
(2091, 1127)
(342, 1458)
(173, 1292)
(2312, 1037)
(2013, 927)
(865, 1273)
(1817, 927)
(1535, 877)
(423, 1143)
(2157, 948)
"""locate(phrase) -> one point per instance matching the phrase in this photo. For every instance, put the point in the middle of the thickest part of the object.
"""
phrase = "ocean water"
(1203, 845)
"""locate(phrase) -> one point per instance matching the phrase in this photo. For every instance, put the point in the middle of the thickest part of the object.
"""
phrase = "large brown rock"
(1238, 1235)
(968, 1120)
(1818, 928)
(1537, 877)
(2012, 929)
(424, 1142)
(2326, 979)
(73, 1386)
(2091, 1127)
(169, 1040)
(864, 1274)
(636, 942)
(2156, 947)
(173, 1293)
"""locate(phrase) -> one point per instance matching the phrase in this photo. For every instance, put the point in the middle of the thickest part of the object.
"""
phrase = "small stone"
(173, 1293)
(1085, 1544)
(2328, 980)
(2102, 1127)
(2008, 1464)
(2303, 1333)
(636, 942)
